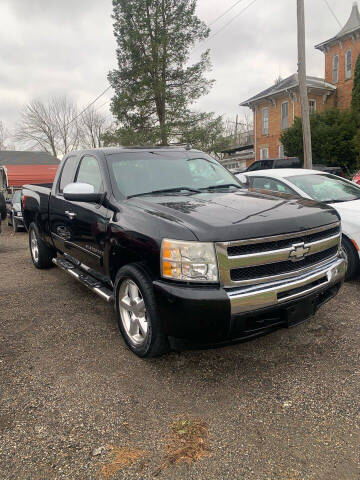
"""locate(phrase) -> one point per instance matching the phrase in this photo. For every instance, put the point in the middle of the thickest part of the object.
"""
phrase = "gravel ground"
(75, 403)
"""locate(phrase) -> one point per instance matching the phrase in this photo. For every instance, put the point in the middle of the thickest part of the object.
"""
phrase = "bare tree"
(4, 135)
(52, 126)
(93, 125)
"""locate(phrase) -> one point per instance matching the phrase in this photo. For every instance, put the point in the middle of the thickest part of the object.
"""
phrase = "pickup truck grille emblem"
(298, 252)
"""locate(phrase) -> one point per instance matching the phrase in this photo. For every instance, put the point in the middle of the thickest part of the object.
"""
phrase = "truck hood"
(237, 215)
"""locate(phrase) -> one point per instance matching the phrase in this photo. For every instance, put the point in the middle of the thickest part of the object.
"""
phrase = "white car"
(341, 194)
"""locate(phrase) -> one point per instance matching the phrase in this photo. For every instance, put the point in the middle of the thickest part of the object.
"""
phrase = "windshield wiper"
(226, 185)
(166, 190)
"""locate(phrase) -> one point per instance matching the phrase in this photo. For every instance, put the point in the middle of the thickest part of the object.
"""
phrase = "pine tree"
(154, 85)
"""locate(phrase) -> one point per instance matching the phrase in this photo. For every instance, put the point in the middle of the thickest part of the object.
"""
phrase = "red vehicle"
(356, 178)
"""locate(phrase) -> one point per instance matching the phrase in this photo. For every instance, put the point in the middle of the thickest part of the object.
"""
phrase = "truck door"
(87, 222)
(58, 220)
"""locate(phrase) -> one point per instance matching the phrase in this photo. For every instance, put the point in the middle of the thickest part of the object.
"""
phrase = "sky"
(50, 47)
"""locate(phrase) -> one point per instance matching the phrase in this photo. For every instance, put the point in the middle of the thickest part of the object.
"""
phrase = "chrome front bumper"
(255, 297)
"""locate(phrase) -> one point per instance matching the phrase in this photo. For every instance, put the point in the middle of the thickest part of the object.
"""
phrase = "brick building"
(275, 108)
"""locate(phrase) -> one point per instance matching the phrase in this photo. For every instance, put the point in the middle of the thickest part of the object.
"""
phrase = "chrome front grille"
(247, 262)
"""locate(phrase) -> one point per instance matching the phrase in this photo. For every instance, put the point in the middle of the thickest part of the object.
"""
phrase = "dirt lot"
(76, 404)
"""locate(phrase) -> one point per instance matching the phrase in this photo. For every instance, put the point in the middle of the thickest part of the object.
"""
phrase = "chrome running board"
(89, 281)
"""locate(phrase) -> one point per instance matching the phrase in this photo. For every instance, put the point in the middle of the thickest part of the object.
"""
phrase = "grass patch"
(187, 443)
(118, 458)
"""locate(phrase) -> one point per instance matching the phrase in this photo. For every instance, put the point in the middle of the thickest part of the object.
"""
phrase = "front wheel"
(41, 254)
(136, 312)
(352, 258)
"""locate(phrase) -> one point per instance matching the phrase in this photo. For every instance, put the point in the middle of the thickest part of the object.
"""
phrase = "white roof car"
(341, 194)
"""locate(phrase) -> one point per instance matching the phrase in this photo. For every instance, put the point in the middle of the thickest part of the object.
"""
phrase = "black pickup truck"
(181, 248)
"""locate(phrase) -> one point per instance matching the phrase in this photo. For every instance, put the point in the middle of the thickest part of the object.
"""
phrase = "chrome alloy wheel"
(34, 246)
(133, 312)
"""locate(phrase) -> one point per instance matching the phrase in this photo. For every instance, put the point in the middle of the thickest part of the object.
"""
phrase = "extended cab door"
(57, 206)
(87, 222)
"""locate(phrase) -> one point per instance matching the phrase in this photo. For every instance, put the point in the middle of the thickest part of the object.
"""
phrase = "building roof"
(11, 157)
(19, 175)
(351, 26)
(289, 83)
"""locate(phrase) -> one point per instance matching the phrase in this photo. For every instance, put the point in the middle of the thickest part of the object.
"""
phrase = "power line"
(88, 105)
(226, 25)
(333, 13)
(226, 11)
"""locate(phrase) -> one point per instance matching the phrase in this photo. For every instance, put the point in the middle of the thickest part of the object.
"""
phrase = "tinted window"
(89, 172)
(67, 174)
(272, 185)
(137, 173)
(260, 165)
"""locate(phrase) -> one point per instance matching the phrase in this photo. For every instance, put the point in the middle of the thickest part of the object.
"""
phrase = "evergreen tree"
(154, 86)
(333, 135)
(355, 101)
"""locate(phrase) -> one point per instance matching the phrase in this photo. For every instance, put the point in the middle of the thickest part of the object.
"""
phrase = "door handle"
(71, 215)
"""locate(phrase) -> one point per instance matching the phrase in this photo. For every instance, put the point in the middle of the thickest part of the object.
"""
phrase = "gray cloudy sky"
(67, 46)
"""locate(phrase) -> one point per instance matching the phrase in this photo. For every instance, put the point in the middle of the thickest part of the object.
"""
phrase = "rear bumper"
(215, 315)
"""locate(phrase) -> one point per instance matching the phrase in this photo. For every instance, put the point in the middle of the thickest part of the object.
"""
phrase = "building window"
(335, 69)
(284, 115)
(312, 106)
(281, 151)
(265, 121)
(348, 63)
(264, 153)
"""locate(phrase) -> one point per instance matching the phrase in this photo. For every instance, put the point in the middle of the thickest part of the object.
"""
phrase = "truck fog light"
(189, 261)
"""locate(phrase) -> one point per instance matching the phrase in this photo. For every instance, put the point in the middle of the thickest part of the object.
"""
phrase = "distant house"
(275, 108)
(19, 168)
(241, 153)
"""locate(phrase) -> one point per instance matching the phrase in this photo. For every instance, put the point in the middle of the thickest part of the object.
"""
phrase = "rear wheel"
(2, 207)
(352, 258)
(137, 314)
(41, 254)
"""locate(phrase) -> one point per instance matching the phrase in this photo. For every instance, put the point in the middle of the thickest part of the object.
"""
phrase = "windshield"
(16, 196)
(144, 172)
(326, 188)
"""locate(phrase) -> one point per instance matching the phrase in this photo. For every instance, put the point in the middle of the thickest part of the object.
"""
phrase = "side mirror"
(242, 178)
(82, 192)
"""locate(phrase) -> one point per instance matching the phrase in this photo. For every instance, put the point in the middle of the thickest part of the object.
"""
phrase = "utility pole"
(302, 85)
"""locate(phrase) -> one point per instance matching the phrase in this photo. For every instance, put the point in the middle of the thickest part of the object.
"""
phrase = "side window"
(312, 106)
(264, 153)
(89, 172)
(284, 115)
(272, 185)
(348, 64)
(265, 121)
(68, 171)
(335, 69)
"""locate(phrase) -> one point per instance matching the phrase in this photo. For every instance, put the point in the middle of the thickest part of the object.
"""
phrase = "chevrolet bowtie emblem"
(298, 252)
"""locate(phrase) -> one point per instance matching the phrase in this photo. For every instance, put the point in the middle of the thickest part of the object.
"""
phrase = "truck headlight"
(188, 261)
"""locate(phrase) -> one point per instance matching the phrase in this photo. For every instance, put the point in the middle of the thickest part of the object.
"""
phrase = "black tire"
(155, 342)
(45, 254)
(14, 224)
(352, 258)
(3, 212)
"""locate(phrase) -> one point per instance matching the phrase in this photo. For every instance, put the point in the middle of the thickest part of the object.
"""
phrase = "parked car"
(341, 194)
(181, 248)
(2, 208)
(14, 212)
(356, 178)
(291, 162)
